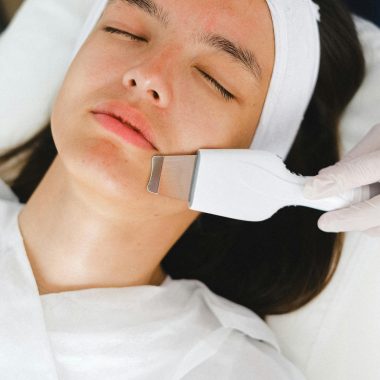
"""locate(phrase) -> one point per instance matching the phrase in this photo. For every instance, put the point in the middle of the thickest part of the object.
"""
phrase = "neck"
(73, 244)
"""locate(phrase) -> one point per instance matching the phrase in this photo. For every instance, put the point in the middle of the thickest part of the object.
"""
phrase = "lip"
(129, 116)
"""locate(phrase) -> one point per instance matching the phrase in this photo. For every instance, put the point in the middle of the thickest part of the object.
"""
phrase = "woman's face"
(169, 61)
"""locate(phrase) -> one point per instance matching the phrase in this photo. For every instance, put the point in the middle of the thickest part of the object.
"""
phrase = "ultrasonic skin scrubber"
(243, 184)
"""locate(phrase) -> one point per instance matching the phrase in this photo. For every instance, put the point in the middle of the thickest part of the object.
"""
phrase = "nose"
(149, 80)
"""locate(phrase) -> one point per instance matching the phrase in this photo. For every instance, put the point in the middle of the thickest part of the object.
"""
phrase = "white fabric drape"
(179, 330)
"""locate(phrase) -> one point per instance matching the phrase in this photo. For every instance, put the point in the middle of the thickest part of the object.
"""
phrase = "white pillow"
(35, 51)
(364, 110)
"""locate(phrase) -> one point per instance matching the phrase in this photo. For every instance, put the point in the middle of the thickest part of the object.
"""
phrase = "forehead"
(238, 17)
(246, 23)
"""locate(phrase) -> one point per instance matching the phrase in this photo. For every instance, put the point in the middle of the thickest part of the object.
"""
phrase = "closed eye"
(110, 29)
(226, 94)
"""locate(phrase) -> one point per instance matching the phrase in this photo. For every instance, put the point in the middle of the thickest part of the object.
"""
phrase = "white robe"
(178, 330)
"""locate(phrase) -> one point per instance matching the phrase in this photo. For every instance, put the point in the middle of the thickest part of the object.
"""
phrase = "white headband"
(294, 76)
(295, 73)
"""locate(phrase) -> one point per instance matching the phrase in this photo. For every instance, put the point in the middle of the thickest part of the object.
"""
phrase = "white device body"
(252, 185)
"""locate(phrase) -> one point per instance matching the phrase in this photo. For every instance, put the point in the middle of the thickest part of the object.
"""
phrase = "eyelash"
(111, 30)
(226, 94)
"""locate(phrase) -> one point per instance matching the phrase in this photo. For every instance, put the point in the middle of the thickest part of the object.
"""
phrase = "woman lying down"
(102, 279)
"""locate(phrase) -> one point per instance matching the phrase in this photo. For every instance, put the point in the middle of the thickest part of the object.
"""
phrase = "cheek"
(248, 127)
(199, 117)
(91, 71)
(207, 126)
(205, 121)
(83, 86)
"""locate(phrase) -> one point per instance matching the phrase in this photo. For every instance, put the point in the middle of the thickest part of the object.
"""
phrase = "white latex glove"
(359, 167)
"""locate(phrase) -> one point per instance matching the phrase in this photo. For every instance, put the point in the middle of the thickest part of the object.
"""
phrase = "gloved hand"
(359, 167)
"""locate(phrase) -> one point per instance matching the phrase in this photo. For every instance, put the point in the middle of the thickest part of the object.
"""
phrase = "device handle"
(346, 199)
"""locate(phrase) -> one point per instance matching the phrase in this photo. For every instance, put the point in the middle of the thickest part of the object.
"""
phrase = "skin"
(91, 223)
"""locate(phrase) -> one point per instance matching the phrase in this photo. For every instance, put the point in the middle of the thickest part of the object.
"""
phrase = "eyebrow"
(241, 55)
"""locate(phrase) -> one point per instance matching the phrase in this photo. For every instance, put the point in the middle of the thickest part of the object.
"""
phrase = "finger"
(373, 232)
(344, 175)
(369, 143)
(359, 217)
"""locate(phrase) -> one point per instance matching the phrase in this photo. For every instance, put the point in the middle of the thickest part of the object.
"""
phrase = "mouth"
(123, 130)
(129, 125)
(126, 123)
(130, 117)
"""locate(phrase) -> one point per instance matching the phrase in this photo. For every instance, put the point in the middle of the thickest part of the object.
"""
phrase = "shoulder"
(242, 358)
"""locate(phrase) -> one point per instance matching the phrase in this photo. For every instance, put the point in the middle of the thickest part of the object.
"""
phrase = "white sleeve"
(243, 358)
(6, 193)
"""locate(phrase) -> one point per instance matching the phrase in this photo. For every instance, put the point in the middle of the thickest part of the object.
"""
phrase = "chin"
(104, 168)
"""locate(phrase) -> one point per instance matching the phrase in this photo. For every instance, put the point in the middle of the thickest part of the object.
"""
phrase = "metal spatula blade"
(172, 176)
